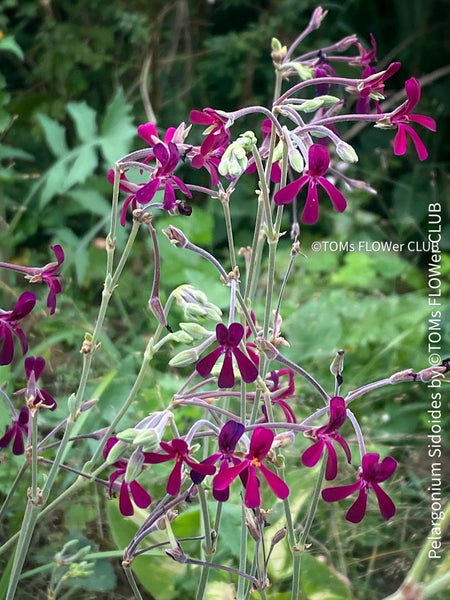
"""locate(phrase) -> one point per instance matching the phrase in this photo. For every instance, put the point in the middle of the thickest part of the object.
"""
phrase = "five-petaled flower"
(370, 475)
(128, 488)
(229, 339)
(17, 432)
(229, 436)
(260, 445)
(403, 118)
(179, 451)
(319, 161)
(35, 396)
(9, 324)
(325, 436)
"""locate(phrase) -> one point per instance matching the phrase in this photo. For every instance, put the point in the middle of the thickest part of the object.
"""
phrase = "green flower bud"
(303, 71)
(127, 435)
(182, 337)
(315, 103)
(196, 331)
(296, 160)
(184, 358)
(346, 152)
(134, 466)
(116, 452)
(147, 438)
(276, 44)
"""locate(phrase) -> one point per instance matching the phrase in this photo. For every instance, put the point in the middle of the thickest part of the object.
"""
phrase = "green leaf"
(320, 582)
(55, 135)
(54, 182)
(9, 44)
(91, 201)
(84, 165)
(117, 129)
(84, 118)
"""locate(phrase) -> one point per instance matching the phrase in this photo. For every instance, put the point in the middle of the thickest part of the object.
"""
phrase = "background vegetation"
(75, 81)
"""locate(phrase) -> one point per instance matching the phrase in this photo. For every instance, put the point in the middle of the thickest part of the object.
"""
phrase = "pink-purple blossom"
(229, 436)
(249, 468)
(229, 339)
(17, 431)
(324, 437)
(9, 325)
(370, 475)
(403, 118)
(34, 395)
(178, 450)
(128, 489)
(319, 161)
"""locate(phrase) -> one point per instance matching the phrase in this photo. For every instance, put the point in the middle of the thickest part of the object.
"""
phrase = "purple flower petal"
(332, 462)
(174, 481)
(145, 193)
(141, 497)
(334, 494)
(310, 213)
(261, 443)
(229, 436)
(125, 505)
(225, 478)
(205, 365)
(311, 455)
(318, 159)
(287, 193)
(226, 376)
(387, 507)
(337, 199)
(277, 485)
(248, 370)
(252, 497)
(357, 511)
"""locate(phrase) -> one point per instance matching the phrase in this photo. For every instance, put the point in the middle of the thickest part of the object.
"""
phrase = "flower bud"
(303, 71)
(296, 160)
(234, 160)
(176, 236)
(182, 337)
(315, 103)
(346, 152)
(116, 452)
(281, 440)
(276, 44)
(127, 435)
(196, 331)
(134, 466)
(402, 376)
(337, 366)
(184, 358)
(148, 439)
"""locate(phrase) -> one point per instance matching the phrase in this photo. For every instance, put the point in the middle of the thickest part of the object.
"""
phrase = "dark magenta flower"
(403, 118)
(229, 436)
(50, 275)
(208, 155)
(35, 396)
(319, 161)
(325, 436)
(372, 88)
(280, 390)
(9, 324)
(168, 157)
(179, 451)
(129, 489)
(260, 445)
(229, 339)
(370, 475)
(17, 432)
(216, 123)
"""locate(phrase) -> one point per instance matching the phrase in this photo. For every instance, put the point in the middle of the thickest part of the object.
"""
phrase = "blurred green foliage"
(75, 81)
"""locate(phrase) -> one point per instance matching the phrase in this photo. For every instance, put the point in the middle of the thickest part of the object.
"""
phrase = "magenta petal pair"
(319, 161)
(17, 432)
(371, 474)
(229, 339)
(179, 451)
(403, 119)
(260, 445)
(9, 324)
(325, 436)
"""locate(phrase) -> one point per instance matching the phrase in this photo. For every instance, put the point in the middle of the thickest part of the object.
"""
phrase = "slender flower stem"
(34, 452)
(207, 551)
(229, 228)
(242, 556)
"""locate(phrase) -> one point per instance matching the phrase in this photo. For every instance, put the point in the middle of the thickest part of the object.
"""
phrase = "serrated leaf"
(84, 118)
(84, 165)
(55, 135)
(117, 129)
(55, 181)
(91, 201)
